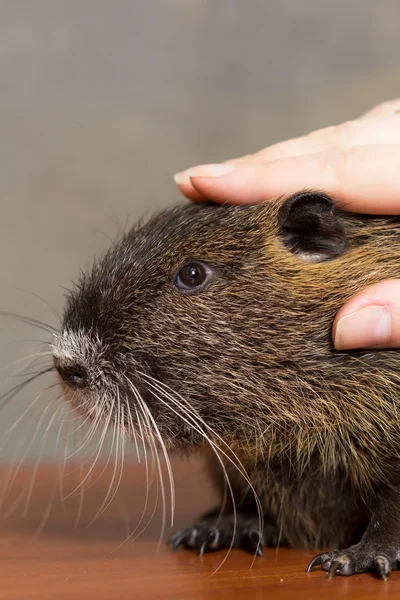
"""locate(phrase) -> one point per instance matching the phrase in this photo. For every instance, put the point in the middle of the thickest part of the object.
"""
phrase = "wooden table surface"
(49, 549)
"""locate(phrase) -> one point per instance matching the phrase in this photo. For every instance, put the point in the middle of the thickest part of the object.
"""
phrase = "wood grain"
(45, 554)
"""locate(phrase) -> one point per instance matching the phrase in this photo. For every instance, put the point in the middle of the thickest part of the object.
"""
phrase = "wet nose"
(73, 375)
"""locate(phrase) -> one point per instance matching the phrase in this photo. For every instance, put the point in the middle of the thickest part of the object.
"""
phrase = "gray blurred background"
(102, 101)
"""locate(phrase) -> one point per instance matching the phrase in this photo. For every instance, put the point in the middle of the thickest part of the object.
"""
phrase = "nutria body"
(211, 326)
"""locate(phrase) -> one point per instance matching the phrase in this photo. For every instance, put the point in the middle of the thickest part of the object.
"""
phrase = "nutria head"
(212, 322)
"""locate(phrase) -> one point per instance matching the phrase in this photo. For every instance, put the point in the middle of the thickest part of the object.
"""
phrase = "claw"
(176, 539)
(211, 541)
(193, 535)
(335, 566)
(173, 537)
(203, 548)
(382, 567)
(255, 545)
(317, 560)
(213, 538)
(259, 550)
(209, 535)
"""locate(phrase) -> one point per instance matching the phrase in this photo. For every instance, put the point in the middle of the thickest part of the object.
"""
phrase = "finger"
(370, 319)
(247, 158)
(362, 179)
(377, 129)
(383, 130)
(182, 179)
(387, 108)
(186, 188)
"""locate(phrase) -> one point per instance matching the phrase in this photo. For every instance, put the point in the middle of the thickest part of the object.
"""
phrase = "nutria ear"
(311, 227)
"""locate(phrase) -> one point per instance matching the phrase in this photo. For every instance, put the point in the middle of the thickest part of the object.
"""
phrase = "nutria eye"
(192, 277)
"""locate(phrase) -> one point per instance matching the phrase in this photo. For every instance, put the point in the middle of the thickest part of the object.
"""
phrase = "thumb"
(370, 319)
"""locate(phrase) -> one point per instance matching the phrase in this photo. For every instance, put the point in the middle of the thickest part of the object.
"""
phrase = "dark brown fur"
(251, 358)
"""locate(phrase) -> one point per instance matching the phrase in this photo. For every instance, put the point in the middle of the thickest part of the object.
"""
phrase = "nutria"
(211, 326)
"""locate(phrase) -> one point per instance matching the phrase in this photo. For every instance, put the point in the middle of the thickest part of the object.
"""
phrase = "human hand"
(358, 163)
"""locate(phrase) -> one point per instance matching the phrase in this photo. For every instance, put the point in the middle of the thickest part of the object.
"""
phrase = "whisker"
(14, 470)
(216, 451)
(37, 397)
(130, 536)
(35, 470)
(162, 444)
(92, 429)
(10, 394)
(64, 463)
(29, 321)
(148, 475)
(159, 472)
(46, 514)
(148, 485)
(101, 441)
(61, 471)
(24, 358)
(195, 419)
(110, 494)
(54, 311)
(194, 422)
(97, 450)
(133, 432)
(80, 501)
(30, 341)
(28, 373)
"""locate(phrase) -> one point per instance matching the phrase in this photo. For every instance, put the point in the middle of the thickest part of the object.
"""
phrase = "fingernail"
(203, 171)
(181, 178)
(366, 328)
(210, 170)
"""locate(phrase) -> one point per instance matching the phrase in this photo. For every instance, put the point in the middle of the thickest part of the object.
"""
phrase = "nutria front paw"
(356, 559)
(213, 533)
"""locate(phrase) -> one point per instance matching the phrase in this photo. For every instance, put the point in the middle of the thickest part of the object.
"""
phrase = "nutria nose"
(73, 375)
